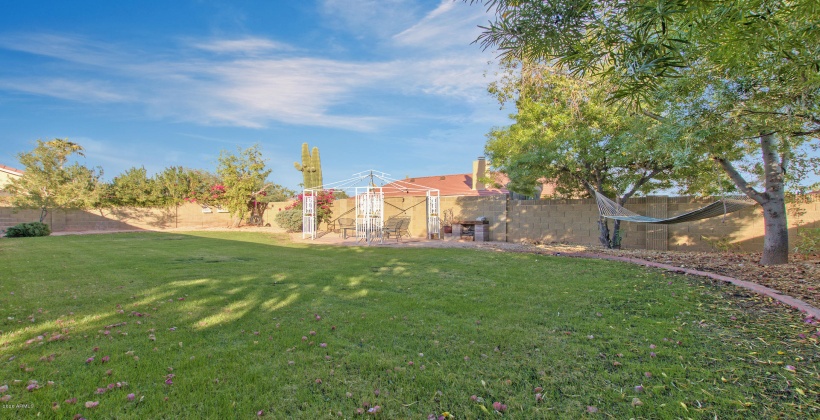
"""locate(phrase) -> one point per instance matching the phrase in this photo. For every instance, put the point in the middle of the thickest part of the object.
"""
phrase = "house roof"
(455, 184)
(10, 170)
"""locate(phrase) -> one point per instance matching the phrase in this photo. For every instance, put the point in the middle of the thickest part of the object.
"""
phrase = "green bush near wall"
(290, 220)
(23, 230)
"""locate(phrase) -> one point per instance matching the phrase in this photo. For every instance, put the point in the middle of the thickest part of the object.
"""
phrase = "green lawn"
(222, 325)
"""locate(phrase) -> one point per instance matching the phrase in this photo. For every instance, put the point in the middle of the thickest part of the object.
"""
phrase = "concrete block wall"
(567, 221)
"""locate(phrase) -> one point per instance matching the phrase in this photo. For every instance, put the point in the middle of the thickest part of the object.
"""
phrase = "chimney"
(479, 171)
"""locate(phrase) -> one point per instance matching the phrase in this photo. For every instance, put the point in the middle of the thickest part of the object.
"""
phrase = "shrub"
(808, 242)
(28, 229)
(289, 219)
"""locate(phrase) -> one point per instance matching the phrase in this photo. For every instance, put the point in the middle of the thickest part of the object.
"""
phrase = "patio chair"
(346, 224)
(397, 226)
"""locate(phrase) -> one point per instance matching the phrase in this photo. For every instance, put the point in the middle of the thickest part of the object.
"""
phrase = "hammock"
(612, 210)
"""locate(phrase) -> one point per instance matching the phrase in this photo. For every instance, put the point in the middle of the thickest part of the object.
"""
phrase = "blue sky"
(392, 85)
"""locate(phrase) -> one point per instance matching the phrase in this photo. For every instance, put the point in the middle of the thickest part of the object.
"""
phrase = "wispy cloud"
(256, 82)
(246, 46)
(370, 18)
(72, 90)
(450, 24)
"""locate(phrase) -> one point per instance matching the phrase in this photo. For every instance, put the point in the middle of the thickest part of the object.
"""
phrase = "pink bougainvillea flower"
(652, 346)
(376, 392)
(360, 411)
(71, 401)
(109, 372)
(89, 360)
(304, 338)
(323, 345)
(318, 381)
(474, 397)
(647, 374)
(327, 357)
(4, 389)
(652, 354)
(91, 404)
(105, 359)
(592, 409)
(539, 397)
(313, 333)
(790, 368)
(260, 413)
(376, 409)
(410, 363)
(32, 387)
(639, 388)
(111, 386)
(497, 406)
(318, 317)
(538, 389)
(5, 398)
(101, 390)
(130, 397)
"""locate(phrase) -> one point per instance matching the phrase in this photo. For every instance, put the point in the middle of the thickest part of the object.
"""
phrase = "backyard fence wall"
(545, 221)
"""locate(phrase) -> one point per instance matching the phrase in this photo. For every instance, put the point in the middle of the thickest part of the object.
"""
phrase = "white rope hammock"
(611, 210)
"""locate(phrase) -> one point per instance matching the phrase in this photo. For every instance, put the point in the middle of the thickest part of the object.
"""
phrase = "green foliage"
(311, 167)
(324, 205)
(808, 242)
(24, 230)
(275, 192)
(134, 189)
(566, 133)
(243, 175)
(217, 293)
(739, 79)
(50, 183)
(289, 219)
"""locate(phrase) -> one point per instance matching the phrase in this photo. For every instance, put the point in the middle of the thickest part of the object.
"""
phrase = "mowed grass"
(235, 325)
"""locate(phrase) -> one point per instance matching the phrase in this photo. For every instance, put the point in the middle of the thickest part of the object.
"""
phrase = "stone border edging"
(763, 290)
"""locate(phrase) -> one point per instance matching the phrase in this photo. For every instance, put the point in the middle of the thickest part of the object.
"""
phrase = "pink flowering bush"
(290, 218)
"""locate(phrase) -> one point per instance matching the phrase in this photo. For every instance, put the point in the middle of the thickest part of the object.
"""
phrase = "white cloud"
(246, 81)
(366, 18)
(247, 46)
(450, 24)
(72, 90)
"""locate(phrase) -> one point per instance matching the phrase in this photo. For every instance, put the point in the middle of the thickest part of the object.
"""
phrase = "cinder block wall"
(567, 221)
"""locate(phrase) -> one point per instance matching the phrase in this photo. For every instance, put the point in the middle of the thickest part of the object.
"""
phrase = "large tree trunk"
(603, 228)
(776, 233)
(776, 238)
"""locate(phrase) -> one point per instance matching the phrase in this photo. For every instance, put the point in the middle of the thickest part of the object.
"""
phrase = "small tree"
(242, 176)
(134, 189)
(49, 183)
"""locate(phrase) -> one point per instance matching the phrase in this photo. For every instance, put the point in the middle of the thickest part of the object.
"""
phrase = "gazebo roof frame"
(351, 184)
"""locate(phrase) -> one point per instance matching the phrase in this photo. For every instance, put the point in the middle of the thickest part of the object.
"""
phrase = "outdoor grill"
(472, 230)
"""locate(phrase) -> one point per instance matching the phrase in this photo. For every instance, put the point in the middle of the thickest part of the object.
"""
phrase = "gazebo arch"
(369, 188)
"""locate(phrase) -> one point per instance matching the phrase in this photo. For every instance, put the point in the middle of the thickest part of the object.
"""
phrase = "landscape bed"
(237, 324)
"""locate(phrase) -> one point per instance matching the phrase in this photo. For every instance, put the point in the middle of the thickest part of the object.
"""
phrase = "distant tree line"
(50, 183)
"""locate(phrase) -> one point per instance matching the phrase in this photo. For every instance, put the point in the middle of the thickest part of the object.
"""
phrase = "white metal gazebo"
(368, 189)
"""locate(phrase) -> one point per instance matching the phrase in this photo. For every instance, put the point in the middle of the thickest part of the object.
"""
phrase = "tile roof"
(455, 184)
(11, 170)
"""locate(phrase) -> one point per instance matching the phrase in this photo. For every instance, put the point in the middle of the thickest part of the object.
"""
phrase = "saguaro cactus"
(311, 167)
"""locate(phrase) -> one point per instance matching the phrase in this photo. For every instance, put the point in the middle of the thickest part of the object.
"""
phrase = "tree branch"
(737, 178)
